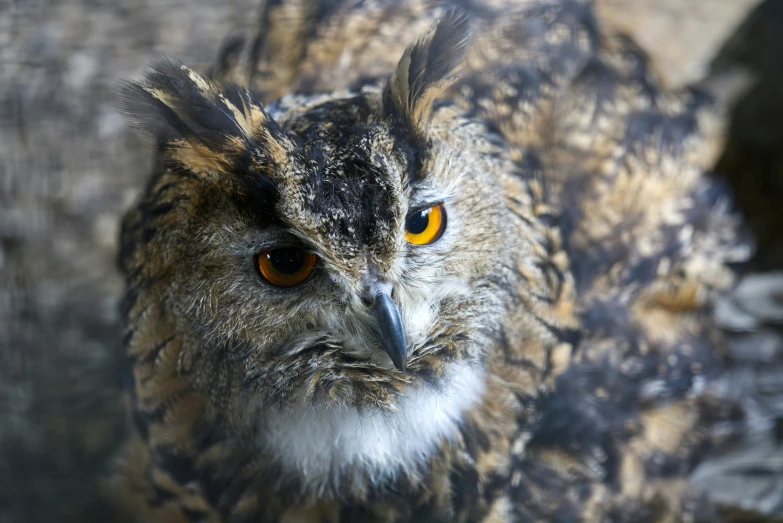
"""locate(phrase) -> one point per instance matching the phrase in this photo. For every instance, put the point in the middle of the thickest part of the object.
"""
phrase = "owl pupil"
(417, 222)
(286, 261)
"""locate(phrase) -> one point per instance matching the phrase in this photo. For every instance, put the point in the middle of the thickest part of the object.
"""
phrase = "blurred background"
(69, 167)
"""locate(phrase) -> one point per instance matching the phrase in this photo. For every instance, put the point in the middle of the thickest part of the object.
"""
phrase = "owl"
(419, 261)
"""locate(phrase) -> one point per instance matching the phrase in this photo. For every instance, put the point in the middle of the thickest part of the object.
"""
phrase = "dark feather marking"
(153, 353)
(147, 114)
(161, 496)
(194, 514)
(426, 68)
(197, 114)
(179, 466)
(464, 482)
(141, 425)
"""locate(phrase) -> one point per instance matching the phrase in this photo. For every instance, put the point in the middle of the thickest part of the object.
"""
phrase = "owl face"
(333, 254)
(361, 271)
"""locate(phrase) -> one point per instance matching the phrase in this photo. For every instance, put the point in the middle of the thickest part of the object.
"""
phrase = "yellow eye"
(285, 267)
(425, 226)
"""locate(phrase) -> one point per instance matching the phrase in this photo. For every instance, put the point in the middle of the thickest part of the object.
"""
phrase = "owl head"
(333, 257)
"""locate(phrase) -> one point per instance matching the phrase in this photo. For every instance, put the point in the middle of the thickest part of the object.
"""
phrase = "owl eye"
(425, 226)
(285, 267)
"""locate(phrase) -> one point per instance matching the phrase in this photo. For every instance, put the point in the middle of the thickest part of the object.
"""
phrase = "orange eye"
(425, 226)
(285, 267)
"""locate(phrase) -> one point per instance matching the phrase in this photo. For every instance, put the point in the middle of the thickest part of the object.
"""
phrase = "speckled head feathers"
(337, 176)
(340, 167)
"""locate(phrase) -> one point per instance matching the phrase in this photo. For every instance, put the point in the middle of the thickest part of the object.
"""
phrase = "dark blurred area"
(69, 166)
(753, 159)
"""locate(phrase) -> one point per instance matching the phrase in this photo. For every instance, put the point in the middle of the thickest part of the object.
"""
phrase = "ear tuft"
(425, 70)
(198, 122)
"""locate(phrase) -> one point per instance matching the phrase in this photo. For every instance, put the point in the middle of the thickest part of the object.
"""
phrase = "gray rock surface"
(68, 168)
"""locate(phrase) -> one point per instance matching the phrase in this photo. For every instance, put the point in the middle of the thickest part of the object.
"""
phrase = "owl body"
(423, 295)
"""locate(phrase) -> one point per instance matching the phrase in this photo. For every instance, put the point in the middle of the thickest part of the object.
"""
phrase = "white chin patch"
(321, 445)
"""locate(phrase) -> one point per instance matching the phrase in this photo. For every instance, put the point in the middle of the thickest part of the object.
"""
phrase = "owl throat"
(325, 448)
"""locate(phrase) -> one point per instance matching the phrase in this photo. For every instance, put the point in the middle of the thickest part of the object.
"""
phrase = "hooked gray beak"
(390, 326)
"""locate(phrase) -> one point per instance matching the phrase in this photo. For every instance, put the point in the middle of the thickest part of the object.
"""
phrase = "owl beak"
(390, 326)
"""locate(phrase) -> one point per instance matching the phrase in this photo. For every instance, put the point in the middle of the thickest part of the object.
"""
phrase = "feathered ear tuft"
(204, 126)
(425, 70)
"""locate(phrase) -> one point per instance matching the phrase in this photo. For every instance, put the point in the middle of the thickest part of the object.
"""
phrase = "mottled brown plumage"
(559, 340)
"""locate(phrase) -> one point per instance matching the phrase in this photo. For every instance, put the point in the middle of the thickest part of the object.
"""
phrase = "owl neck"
(325, 448)
(305, 455)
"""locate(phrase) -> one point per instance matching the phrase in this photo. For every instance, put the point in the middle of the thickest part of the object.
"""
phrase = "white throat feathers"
(321, 445)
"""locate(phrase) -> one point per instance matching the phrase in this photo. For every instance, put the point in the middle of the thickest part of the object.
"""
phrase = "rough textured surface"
(680, 37)
(69, 167)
